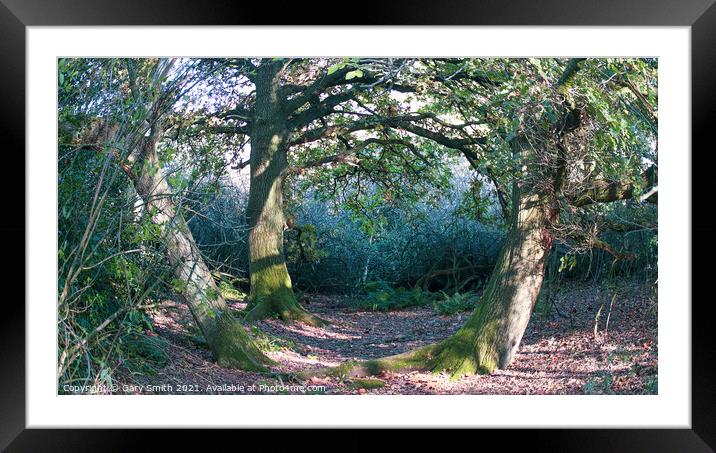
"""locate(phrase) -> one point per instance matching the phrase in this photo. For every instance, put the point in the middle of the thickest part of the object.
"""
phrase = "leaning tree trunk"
(271, 293)
(492, 334)
(230, 343)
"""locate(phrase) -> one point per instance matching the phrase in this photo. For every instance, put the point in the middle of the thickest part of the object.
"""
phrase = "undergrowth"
(380, 296)
(144, 354)
(269, 343)
(367, 384)
(457, 302)
(230, 292)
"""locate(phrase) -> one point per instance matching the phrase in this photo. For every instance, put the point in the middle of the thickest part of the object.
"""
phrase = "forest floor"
(560, 352)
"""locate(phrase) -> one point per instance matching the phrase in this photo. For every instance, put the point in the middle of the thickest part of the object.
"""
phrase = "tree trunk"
(271, 292)
(492, 334)
(230, 343)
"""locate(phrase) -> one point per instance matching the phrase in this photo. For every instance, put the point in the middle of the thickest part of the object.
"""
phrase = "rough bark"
(271, 293)
(605, 191)
(492, 334)
(231, 345)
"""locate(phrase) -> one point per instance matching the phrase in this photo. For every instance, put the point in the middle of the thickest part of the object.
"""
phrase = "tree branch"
(349, 156)
(572, 68)
(599, 244)
(605, 191)
(338, 77)
(321, 109)
(313, 90)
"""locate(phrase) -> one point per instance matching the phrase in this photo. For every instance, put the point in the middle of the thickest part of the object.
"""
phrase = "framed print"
(416, 217)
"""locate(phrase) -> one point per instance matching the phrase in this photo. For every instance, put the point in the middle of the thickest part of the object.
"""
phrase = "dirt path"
(560, 353)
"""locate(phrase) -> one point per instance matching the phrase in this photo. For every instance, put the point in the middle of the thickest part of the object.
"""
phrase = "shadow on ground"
(560, 352)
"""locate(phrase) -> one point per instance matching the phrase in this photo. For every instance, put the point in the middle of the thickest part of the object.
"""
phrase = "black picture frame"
(700, 15)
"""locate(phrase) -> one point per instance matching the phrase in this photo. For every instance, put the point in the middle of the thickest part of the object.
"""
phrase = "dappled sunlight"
(355, 221)
(309, 331)
(552, 359)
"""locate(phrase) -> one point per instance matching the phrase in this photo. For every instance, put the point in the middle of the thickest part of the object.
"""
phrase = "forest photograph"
(357, 226)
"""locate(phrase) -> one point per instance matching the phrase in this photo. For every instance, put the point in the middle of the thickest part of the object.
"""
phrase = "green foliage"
(478, 203)
(599, 385)
(336, 252)
(367, 384)
(144, 354)
(302, 245)
(567, 262)
(120, 266)
(329, 249)
(354, 74)
(230, 292)
(112, 265)
(457, 302)
(397, 244)
(380, 296)
(269, 343)
(338, 66)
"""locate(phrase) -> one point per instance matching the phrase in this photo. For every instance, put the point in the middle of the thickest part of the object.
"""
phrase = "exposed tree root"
(272, 296)
(414, 360)
(454, 355)
(288, 311)
(234, 348)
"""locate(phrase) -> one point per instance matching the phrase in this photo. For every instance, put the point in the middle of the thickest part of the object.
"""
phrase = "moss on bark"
(284, 309)
(231, 345)
(492, 334)
(271, 292)
(455, 355)
(272, 296)
(234, 348)
(415, 360)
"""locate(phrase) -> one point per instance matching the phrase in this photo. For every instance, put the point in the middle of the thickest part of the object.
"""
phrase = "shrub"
(451, 304)
(229, 291)
(331, 250)
(380, 296)
(144, 354)
(220, 229)
(404, 245)
(269, 343)
(106, 282)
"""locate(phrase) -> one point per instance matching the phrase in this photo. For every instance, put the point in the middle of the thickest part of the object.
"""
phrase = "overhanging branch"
(350, 156)
(605, 191)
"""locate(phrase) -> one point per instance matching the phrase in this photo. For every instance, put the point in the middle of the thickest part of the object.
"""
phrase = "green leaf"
(353, 74)
(178, 285)
(336, 67)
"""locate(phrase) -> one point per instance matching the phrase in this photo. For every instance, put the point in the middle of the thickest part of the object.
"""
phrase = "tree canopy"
(192, 175)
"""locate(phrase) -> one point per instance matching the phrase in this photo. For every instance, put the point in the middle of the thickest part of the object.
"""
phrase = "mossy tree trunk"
(271, 293)
(492, 334)
(230, 343)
